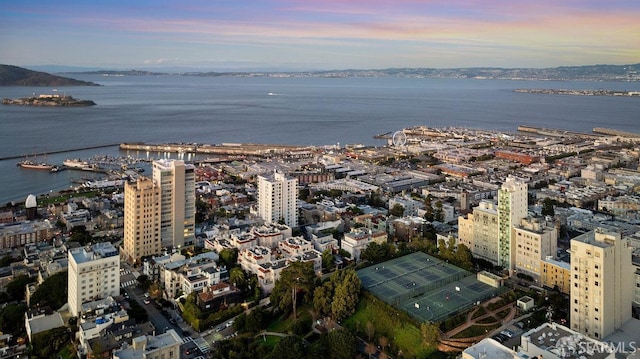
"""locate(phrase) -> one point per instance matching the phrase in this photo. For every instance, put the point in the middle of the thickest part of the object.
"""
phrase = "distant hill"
(563, 73)
(18, 76)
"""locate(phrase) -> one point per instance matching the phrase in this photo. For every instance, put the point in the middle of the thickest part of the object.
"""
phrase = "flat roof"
(489, 348)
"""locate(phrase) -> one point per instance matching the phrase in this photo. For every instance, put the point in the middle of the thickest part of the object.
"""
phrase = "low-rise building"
(166, 345)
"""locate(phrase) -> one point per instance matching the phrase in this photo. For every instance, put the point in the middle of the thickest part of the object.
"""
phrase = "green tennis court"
(425, 287)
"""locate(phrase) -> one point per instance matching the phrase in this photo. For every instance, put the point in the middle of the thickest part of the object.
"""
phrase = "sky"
(222, 35)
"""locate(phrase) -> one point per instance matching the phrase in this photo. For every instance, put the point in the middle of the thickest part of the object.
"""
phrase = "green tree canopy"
(342, 344)
(376, 252)
(52, 292)
(328, 261)
(229, 257)
(339, 296)
(290, 347)
(299, 275)
(397, 210)
(12, 318)
(548, 207)
(18, 286)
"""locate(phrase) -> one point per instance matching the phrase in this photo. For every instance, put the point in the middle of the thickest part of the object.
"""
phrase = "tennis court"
(425, 287)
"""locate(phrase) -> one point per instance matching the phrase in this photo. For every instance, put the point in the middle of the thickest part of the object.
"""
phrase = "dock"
(554, 132)
(239, 150)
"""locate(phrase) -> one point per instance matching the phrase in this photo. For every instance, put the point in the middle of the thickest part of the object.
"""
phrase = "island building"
(94, 273)
(178, 201)
(602, 281)
(277, 199)
(141, 220)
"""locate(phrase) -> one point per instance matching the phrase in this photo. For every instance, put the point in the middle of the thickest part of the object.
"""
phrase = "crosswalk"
(202, 344)
(129, 283)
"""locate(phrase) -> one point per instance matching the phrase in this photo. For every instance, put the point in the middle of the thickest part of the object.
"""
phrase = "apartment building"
(601, 283)
(177, 201)
(277, 199)
(556, 274)
(141, 220)
(94, 273)
(512, 207)
(534, 240)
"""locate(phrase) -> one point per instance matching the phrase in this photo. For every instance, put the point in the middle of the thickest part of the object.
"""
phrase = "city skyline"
(295, 35)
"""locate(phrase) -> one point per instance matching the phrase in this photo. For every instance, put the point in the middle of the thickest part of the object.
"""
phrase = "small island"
(49, 100)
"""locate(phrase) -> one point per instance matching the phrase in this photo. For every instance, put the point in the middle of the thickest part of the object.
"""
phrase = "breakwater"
(13, 157)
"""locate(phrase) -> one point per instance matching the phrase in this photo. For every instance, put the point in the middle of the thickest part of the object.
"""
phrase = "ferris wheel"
(399, 139)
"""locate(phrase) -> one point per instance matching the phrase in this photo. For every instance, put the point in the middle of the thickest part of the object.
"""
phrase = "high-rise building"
(277, 199)
(512, 207)
(485, 232)
(177, 201)
(94, 273)
(534, 240)
(141, 219)
(601, 283)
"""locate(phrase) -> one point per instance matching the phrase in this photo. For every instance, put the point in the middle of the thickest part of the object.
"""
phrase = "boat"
(75, 163)
(35, 166)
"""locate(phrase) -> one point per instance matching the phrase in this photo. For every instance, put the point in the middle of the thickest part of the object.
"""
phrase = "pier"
(554, 132)
(14, 157)
(612, 132)
(226, 149)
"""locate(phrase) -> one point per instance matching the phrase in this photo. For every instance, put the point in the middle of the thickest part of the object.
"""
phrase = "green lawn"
(476, 330)
(284, 324)
(402, 333)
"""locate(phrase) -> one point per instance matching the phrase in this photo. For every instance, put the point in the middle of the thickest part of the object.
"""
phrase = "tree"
(438, 212)
(238, 278)
(397, 210)
(370, 329)
(328, 261)
(143, 281)
(548, 207)
(322, 298)
(52, 292)
(202, 210)
(229, 257)
(383, 341)
(17, 287)
(370, 349)
(297, 277)
(342, 344)
(12, 318)
(463, 257)
(289, 347)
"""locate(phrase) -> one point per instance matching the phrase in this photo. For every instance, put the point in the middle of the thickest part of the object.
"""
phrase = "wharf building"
(177, 201)
(277, 199)
(602, 281)
(94, 273)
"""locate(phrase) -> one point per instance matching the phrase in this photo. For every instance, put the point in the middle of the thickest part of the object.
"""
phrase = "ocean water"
(315, 111)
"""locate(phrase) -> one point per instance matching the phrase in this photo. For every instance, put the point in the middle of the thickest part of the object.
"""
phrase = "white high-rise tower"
(177, 201)
(277, 199)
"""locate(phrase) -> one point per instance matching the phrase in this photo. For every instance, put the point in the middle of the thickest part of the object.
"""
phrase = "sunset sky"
(220, 35)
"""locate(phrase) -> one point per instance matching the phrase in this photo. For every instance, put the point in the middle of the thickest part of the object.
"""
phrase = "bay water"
(288, 110)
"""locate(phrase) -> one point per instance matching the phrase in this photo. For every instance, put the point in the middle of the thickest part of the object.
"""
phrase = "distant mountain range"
(564, 73)
(18, 76)
(12, 75)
